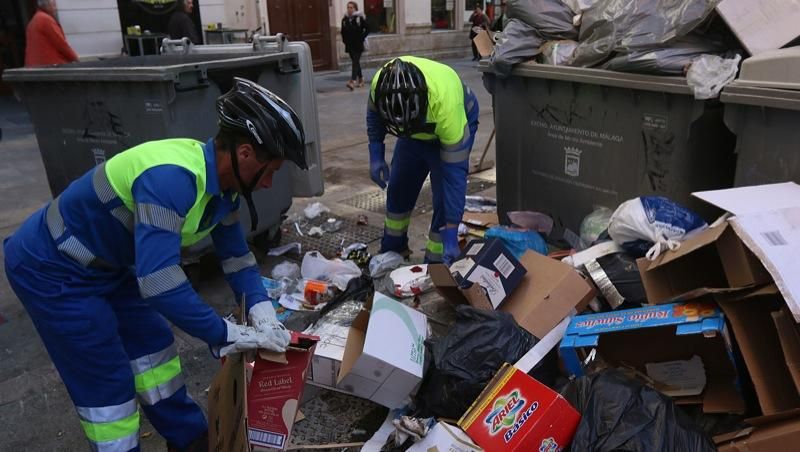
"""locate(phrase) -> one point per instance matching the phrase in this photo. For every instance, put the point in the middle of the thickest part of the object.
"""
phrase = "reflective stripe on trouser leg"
(435, 248)
(396, 224)
(111, 428)
(157, 376)
(175, 415)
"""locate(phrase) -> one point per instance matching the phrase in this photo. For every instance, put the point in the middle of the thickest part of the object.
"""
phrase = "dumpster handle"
(260, 42)
(176, 46)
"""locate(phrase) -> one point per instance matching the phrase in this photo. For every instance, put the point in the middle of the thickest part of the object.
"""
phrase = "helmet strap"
(246, 190)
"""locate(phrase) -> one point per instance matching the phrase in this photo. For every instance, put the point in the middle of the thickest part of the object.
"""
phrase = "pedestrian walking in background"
(479, 22)
(354, 32)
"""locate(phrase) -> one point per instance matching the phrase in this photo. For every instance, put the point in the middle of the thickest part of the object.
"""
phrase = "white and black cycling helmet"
(274, 129)
(401, 97)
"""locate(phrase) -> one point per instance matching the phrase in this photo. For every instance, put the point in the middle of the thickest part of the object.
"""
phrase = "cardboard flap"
(355, 343)
(299, 343)
(480, 219)
(449, 289)
(227, 407)
(705, 238)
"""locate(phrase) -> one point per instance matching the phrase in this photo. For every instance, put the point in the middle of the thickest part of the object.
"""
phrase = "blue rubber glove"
(450, 242)
(378, 169)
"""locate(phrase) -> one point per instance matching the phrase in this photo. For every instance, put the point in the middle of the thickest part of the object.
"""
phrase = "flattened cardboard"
(714, 260)
(790, 343)
(227, 407)
(671, 332)
(484, 43)
(776, 436)
(750, 316)
(763, 24)
(546, 295)
(480, 219)
(517, 413)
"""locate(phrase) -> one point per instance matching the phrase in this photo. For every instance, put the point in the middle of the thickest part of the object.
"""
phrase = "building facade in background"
(97, 28)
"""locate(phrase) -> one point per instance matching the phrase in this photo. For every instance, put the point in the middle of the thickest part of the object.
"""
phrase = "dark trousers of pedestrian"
(355, 71)
(475, 54)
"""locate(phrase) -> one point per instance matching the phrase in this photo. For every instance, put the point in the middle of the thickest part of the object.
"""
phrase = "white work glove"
(242, 338)
(263, 319)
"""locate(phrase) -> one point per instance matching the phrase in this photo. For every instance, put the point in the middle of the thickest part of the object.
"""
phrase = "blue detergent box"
(654, 335)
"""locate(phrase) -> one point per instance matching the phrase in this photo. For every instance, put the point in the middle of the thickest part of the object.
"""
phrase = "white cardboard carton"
(385, 352)
(762, 25)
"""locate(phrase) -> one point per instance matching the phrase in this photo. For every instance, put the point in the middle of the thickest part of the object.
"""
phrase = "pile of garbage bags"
(663, 37)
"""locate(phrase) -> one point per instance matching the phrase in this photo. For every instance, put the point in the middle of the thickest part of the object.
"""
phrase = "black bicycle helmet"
(401, 97)
(274, 128)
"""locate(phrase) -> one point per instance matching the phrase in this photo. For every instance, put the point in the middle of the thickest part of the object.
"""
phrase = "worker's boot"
(198, 445)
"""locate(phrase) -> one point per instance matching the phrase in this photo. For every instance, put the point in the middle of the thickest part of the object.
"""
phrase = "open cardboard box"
(771, 365)
(761, 25)
(713, 261)
(658, 334)
(549, 291)
(261, 412)
(384, 356)
(776, 433)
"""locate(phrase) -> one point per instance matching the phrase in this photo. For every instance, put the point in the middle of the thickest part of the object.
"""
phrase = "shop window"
(381, 15)
(443, 14)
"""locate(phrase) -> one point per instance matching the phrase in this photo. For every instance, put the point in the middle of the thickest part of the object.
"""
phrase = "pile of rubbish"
(703, 40)
(660, 330)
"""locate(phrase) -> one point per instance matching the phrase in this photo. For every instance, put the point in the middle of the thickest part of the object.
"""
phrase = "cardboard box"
(714, 260)
(491, 265)
(751, 319)
(767, 434)
(328, 355)
(767, 220)
(384, 355)
(762, 25)
(445, 438)
(275, 390)
(790, 342)
(659, 334)
(517, 413)
(260, 412)
(549, 291)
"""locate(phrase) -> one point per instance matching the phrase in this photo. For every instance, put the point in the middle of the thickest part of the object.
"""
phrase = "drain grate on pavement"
(375, 201)
(329, 243)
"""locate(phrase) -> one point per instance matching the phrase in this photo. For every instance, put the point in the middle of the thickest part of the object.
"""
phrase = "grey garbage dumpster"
(84, 113)
(570, 139)
(762, 107)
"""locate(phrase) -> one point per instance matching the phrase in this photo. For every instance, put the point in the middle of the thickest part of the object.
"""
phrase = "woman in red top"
(45, 39)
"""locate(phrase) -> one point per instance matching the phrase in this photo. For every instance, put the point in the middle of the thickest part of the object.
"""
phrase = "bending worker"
(435, 117)
(99, 266)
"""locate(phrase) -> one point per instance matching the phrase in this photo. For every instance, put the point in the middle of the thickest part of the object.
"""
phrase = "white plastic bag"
(314, 210)
(411, 280)
(649, 225)
(286, 269)
(336, 272)
(383, 263)
(708, 74)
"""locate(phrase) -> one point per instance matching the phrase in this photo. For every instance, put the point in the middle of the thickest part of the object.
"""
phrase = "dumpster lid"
(658, 83)
(150, 68)
(774, 69)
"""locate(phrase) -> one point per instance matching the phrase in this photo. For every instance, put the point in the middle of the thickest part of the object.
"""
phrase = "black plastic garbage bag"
(464, 360)
(672, 59)
(551, 18)
(622, 26)
(619, 413)
(520, 42)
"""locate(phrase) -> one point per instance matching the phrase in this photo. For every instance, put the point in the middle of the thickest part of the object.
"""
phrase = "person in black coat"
(180, 23)
(354, 32)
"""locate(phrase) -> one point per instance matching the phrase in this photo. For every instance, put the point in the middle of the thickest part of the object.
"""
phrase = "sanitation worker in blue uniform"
(98, 269)
(435, 117)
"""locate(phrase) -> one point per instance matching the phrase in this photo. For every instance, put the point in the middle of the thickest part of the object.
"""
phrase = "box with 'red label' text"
(517, 413)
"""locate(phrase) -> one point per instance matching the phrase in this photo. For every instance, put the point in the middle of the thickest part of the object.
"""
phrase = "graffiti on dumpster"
(659, 145)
